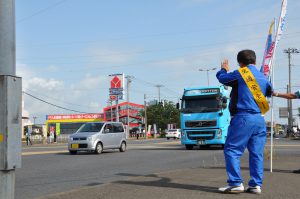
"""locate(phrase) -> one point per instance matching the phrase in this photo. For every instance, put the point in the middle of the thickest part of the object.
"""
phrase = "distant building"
(134, 113)
(69, 124)
(25, 118)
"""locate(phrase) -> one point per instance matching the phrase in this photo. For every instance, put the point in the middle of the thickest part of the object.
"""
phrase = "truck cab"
(204, 116)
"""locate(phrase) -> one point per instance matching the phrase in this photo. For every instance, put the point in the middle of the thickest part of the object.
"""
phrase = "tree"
(162, 114)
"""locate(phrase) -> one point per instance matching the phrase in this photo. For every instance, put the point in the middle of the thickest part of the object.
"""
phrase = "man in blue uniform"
(247, 127)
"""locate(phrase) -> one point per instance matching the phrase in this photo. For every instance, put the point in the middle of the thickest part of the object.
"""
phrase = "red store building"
(134, 113)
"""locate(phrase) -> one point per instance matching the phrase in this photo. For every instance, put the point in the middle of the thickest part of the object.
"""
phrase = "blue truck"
(204, 116)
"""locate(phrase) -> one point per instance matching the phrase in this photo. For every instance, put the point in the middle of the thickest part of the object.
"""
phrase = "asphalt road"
(50, 169)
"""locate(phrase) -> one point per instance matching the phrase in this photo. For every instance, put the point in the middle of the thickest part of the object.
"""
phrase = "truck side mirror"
(224, 105)
(224, 100)
(177, 106)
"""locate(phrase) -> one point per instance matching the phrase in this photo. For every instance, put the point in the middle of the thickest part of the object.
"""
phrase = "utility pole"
(117, 108)
(10, 102)
(129, 80)
(158, 87)
(146, 122)
(207, 73)
(290, 51)
(34, 118)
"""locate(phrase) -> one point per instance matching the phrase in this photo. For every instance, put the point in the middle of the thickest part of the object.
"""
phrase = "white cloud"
(91, 82)
(85, 95)
(110, 56)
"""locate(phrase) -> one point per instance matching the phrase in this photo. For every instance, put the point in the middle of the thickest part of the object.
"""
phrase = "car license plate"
(201, 142)
(74, 146)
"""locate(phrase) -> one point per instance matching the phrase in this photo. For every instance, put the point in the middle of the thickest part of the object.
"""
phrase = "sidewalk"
(194, 183)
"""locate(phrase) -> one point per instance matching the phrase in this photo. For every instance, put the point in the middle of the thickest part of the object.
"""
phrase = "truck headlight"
(219, 133)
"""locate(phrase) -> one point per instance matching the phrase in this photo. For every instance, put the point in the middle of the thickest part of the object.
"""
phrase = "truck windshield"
(196, 105)
(90, 127)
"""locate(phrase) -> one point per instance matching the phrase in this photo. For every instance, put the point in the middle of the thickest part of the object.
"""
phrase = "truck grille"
(200, 123)
(200, 135)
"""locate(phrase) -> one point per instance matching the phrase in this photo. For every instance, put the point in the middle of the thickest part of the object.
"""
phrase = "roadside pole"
(117, 108)
(11, 102)
(146, 123)
(129, 80)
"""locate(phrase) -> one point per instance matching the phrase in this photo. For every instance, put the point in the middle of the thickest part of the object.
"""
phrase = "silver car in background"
(97, 136)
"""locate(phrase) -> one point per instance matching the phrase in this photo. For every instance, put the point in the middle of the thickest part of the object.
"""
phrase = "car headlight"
(89, 138)
(71, 138)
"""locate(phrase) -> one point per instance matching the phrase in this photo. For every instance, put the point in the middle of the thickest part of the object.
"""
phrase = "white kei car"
(173, 133)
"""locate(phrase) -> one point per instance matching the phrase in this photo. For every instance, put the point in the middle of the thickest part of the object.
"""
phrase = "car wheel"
(73, 152)
(99, 148)
(189, 147)
(123, 147)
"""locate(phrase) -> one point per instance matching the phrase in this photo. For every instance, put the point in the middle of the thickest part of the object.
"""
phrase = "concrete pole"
(7, 38)
(117, 108)
(290, 51)
(7, 68)
(146, 122)
(127, 99)
(289, 91)
(158, 87)
(111, 113)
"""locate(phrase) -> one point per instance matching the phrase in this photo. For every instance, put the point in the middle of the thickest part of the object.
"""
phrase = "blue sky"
(67, 48)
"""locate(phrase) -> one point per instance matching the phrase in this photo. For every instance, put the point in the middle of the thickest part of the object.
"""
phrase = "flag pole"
(272, 106)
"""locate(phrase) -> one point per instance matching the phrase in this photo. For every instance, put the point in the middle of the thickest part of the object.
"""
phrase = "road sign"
(283, 112)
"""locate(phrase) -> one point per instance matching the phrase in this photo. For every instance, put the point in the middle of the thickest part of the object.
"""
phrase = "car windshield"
(196, 105)
(90, 127)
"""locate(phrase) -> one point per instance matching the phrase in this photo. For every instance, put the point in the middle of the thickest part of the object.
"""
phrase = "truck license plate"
(74, 146)
(201, 142)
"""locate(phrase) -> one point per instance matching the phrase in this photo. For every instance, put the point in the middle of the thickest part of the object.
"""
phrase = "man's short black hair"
(246, 57)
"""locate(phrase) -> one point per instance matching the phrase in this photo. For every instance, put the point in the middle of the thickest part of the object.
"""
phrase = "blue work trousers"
(245, 130)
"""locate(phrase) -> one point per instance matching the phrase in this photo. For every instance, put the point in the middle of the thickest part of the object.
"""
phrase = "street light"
(207, 70)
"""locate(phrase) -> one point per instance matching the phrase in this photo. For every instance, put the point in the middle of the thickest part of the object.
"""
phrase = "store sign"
(116, 86)
(283, 112)
(74, 116)
(132, 112)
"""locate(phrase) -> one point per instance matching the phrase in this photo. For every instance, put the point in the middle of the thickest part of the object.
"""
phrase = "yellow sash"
(254, 89)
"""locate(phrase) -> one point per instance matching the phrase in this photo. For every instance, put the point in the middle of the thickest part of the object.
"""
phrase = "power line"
(139, 52)
(41, 11)
(52, 104)
(153, 35)
(60, 100)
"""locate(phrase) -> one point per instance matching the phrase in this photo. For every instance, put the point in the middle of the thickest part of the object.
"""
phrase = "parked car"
(173, 133)
(98, 136)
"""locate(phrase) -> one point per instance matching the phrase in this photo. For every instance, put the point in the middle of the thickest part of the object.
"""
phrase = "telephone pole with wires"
(128, 82)
(11, 102)
(158, 88)
(290, 51)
